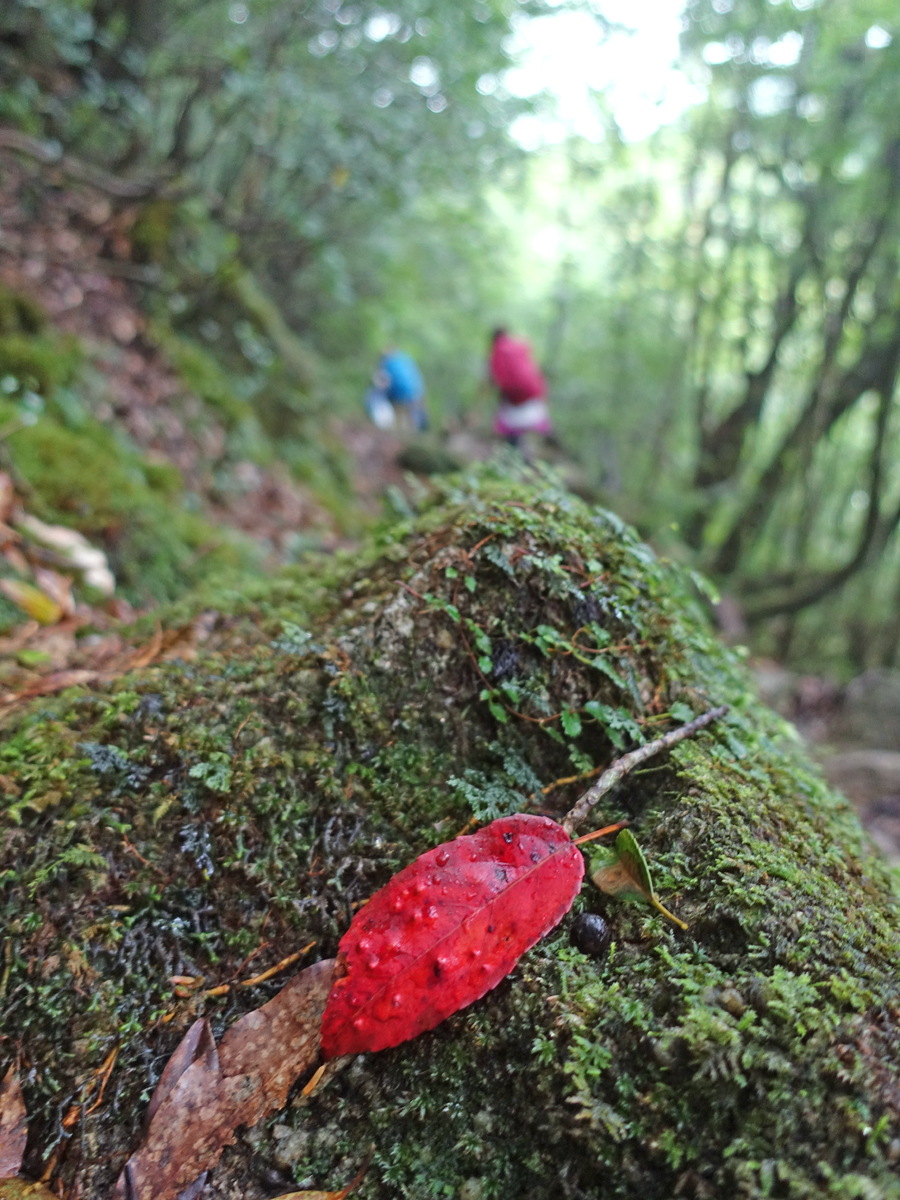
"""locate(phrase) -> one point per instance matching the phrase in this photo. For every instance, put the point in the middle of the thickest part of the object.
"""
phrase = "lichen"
(352, 713)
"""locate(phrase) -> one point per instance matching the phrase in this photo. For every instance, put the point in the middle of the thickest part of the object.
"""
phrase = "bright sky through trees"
(570, 56)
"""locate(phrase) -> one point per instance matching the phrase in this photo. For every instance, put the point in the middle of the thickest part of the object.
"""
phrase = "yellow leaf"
(32, 600)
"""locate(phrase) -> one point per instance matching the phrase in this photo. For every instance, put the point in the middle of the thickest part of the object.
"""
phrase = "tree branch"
(810, 593)
(51, 155)
(628, 762)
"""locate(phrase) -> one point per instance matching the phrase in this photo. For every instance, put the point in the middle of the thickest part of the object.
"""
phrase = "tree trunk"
(208, 819)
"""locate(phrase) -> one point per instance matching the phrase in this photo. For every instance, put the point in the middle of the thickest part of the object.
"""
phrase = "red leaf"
(447, 929)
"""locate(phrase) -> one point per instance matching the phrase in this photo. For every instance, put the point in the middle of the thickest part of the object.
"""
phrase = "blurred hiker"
(397, 385)
(521, 387)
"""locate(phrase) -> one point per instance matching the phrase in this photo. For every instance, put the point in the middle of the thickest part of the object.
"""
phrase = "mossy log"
(207, 819)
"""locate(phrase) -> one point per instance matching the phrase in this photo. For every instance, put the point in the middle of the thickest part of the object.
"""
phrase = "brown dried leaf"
(145, 656)
(7, 497)
(196, 1043)
(280, 1040)
(205, 1093)
(56, 683)
(13, 554)
(57, 587)
(187, 1134)
(179, 643)
(13, 1124)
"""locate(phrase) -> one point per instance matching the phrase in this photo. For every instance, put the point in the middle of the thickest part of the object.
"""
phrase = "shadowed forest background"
(214, 217)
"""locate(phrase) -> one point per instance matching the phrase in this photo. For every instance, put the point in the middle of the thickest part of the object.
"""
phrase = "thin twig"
(137, 854)
(599, 833)
(224, 988)
(566, 779)
(106, 1071)
(623, 765)
(412, 591)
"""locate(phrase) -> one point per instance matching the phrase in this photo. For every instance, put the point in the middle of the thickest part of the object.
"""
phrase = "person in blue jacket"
(398, 380)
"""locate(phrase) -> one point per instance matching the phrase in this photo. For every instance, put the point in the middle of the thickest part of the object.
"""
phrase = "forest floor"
(72, 254)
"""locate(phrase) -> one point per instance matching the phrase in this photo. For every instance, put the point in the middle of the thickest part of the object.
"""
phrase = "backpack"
(514, 370)
(404, 378)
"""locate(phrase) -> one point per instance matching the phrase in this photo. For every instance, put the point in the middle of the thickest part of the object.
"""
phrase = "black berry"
(590, 934)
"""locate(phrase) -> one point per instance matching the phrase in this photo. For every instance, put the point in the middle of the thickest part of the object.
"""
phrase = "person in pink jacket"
(521, 387)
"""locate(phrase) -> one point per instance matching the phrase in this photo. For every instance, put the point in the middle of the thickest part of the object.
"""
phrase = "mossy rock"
(87, 479)
(348, 716)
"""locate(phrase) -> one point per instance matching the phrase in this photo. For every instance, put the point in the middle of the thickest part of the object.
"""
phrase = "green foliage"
(204, 375)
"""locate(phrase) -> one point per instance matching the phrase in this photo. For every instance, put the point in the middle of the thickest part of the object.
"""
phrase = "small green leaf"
(216, 773)
(485, 664)
(571, 723)
(606, 668)
(627, 874)
(482, 641)
(451, 573)
(681, 712)
(601, 635)
(32, 658)
(706, 586)
(615, 721)
(498, 711)
(471, 583)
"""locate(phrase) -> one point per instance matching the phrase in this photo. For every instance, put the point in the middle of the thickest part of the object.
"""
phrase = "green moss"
(75, 471)
(203, 375)
(19, 313)
(39, 363)
(151, 233)
(340, 723)
(86, 479)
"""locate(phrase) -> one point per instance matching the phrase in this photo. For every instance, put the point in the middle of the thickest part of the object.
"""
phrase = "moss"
(19, 313)
(351, 714)
(39, 363)
(86, 479)
(203, 375)
(75, 471)
(151, 233)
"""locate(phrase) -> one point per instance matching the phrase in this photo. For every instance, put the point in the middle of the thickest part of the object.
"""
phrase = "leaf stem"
(618, 769)
(598, 833)
(660, 907)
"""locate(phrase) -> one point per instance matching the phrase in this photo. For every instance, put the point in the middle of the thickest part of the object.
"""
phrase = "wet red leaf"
(446, 930)
(13, 1124)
